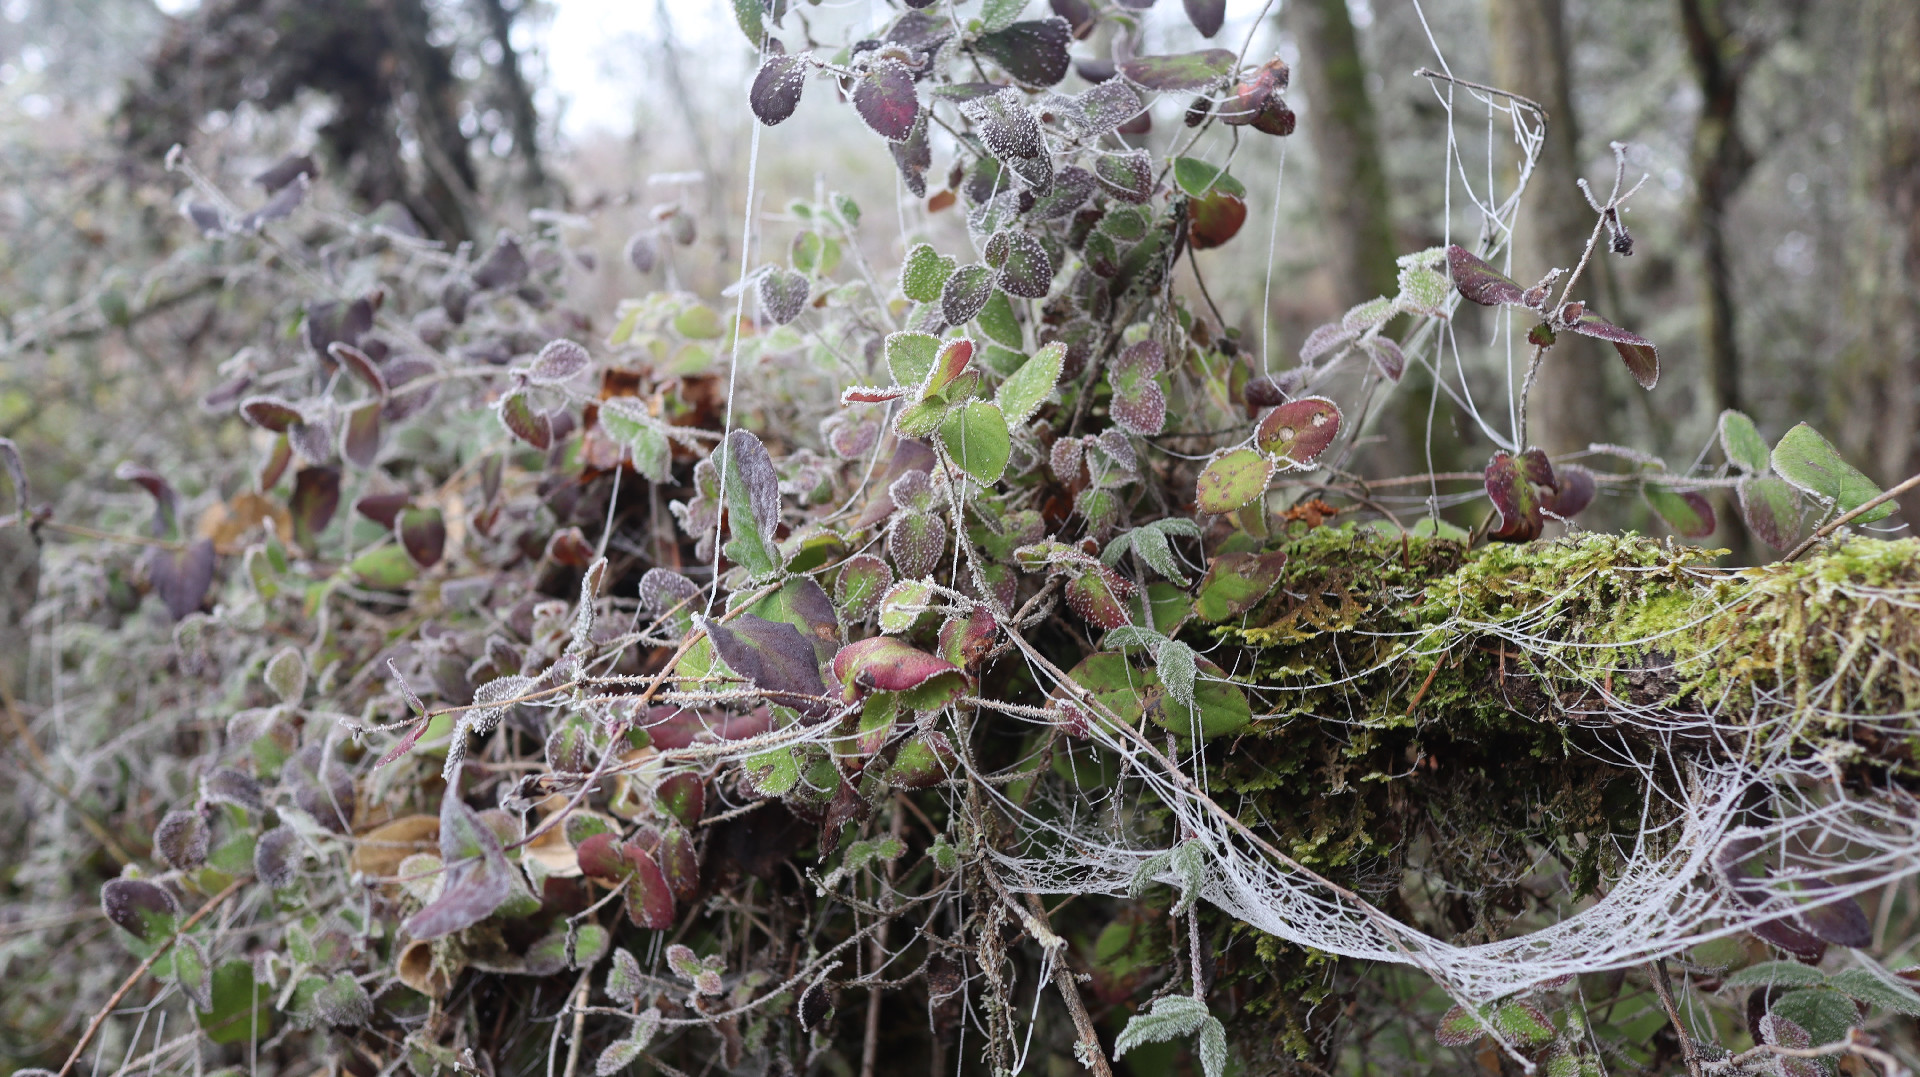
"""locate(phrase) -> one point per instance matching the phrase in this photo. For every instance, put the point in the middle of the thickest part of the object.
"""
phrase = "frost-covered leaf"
(276, 857)
(1033, 52)
(1171, 1017)
(884, 97)
(140, 908)
(1126, 176)
(1299, 430)
(1862, 985)
(624, 1052)
(885, 664)
(1774, 974)
(1021, 395)
(1813, 465)
(783, 293)
(559, 362)
(777, 87)
(192, 972)
(1187, 71)
(1641, 357)
(517, 414)
(775, 658)
(1771, 508)
(915, 541)
(1232, 480)
(478, 878)
(1686, 511)
(1099, 595)
(976, 437)
(182, 839)
(910, 357)
(751, 489)
(1137, 404)
(1027, 271)
(1742, 443)
(1825, 1014)
(1386, 355)
(1458, 1028)
(925, 273)
(286, 674)
(966, 293)
(1479, 282)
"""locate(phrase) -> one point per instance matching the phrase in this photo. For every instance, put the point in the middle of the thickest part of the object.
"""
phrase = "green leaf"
(241, 1010)
(385, 568)
(903, 605)
(910, 356)
(1524, 1022)
(1862, 985)
(1232, 480)
(747, 13)
(1825, 1014)
(1213, 1047)
(751, 490)
(1686, 511)
(1176, 664)
(1776, 974)
(773, 772)
(924, 273)
(1742, 443)
(1812, 464)
(1458, 1028)
(1187, 71)
(628, 422)
(1197, 178)
(1236, 582)
(996, 15)
(1219, 706)
(1771, 508)
(976, 436)
(1026, 389)
(998, 321)
(1174, 1016)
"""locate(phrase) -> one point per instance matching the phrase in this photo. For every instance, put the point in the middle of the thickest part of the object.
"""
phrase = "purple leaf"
(1479, 282)
(1387, 356)
(360, 438)
(777, 88)
(478, 877)
(885, 98)
(559, 362)
(332, 320)
(1519, 487)
(182, 838)
(783, 294)
(181, 577)
(1772, 510)
(530, 426)
(140, 908)
(1078, 13)
(683, 796)
(915, 541)
(1791, 939)
(1138, 404)
(1207, 16)
(359, 364)
(505, 266)
(776, 659)
(913, 157)
(885, 664)
(382, 508)
(1839, 921)
(680, 863)
(1576, 490)
(270, 413)
(1642, 359)
(285, 171)
(424, 535)
(1325, 340)
(751, 490)
(1299, 430)
(276, 856)
(649, 895)
(1027, 270)
(1188, 71)
(316, 495)
(1033, 52)
(1072, 186)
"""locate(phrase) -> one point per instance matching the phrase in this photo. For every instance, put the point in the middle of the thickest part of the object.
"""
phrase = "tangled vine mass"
(980, 664)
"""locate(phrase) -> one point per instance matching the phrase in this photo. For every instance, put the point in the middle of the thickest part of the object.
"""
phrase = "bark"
(1721, 163)
(1353, 196)
(1581, 395)
(516, 95)
(1888, 280)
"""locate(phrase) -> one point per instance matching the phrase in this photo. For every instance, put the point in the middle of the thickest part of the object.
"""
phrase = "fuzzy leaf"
(1126, 176)
(1771, 508)
(966, 293)
(1641, 357)
(559, 362)
(1775, 974)
(1458, 1028)
(924, 274)
(1099, 596)
(1742, 443)
(885, 664)
(915, 541)
(1233, 479)
(1138, 404)
(863, 579)
(1863, 986)
(1813, 465)
(775, 658)
(1479, 282)
(1172, 1016)
(1033, 52)
(751, 489)
(518, 416)
(1519, 486)
(783, 294)
(1028, 269)
(478, 877)
(1021, 395)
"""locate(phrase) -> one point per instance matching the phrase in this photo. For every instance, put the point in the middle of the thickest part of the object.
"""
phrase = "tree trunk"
(517, 96)
(447, 189)
(1581, 395)
(1889, 281)
(1346, 146)
(1721, 163)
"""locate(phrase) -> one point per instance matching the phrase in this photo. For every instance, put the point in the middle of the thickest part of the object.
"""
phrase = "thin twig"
(1429, 73)
(133, 977)
(1657, 972)
(1852, 516)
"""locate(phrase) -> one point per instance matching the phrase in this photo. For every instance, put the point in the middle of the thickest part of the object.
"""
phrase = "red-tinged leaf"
(601, 856)
(478, 877)
(885, 98)
(1576, 490)
(965, 641)
(1772, 510)
(1519, 487)
(863, 579)
(1034, 52)
(1028, 269)
(559, 362)
(915, 541)
(1100, 597)
(1387, 356)
(1232, 480)
(872, 394)
(1325, 340)
(1787, 937)
(776, 659)
(140, 908)
(1207, 16)
(316, 495)
(1458, 1028)
(270, 413)
(330, 320)
(1188, 71)
(1126, 176)
(1479, 282)
(1257, 102)
(777, 88)
(1541, 336)
(649, 895)
(1299, 430)
(680, 864)
(1214, 218)
(1839, 921)
(884, 664)
(275, 465)
(1686, 511)
(683, 796)
(530, 426)
(360, 438)
(949, 364)
(569, 546)
(923, 760)
(181, 577)
(913, 157)
(405, 743)
(1642, 359)
(360, 365)
(1138, 404)
(1236, 582)
(382, 509)
(423, 533)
